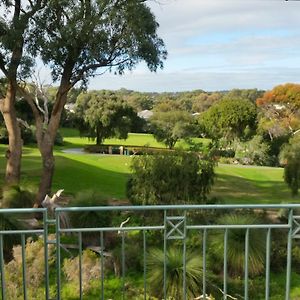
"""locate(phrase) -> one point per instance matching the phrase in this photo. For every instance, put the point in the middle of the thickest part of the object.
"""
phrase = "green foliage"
(105, 115)
(89, 218)
(91, 269)
(230, 118)
(253, 152)
(249, 94)
(3, 135)
(35, 266)
(290, 158)
(169, 178)
(123, 34)
(174, 279)
(170, 126)
(236, 245)
(18, 196)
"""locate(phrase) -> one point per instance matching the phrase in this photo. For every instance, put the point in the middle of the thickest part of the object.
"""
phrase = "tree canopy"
(229, 118)
(170, 126)
(281, 110)
(74, 39)
(105, 115)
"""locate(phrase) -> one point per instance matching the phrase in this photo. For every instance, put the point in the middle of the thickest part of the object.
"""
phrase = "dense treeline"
(247, 126)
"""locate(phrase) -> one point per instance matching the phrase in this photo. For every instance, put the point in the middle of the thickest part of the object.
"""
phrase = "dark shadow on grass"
(235, 189)
(73, 176)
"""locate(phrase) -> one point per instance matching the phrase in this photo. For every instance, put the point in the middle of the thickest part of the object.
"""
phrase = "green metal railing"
(174, 224)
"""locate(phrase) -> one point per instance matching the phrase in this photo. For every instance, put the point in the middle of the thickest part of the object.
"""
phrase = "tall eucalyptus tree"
(76, 39)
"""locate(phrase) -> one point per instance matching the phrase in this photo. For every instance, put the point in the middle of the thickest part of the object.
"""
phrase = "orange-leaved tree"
(280, 110)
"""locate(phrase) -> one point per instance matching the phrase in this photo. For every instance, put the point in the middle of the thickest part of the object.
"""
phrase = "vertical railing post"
(123, 264)
(225, 263)
(45, 227)
(23, 246)
(165, 254)
(268, 251)
(102, 264)
(184, 257)
(58, 271)
(145, 264)
(80, 263)
(246, 263)
(3, 285)
(289, 256)
(204, 238)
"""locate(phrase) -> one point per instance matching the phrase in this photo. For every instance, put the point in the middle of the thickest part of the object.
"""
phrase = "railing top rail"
(175, 207)
(22, 210)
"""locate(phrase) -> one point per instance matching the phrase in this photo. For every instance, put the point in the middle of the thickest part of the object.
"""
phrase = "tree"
(105, 115)
(15, 64)
(280, 110)
(290, 158)
(76, 39)
(170, 126)
(249, 94)
(229, 118)
(170, 177)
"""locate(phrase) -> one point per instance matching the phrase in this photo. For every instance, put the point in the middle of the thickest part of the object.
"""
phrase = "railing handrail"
(174, 207)
(22, 210)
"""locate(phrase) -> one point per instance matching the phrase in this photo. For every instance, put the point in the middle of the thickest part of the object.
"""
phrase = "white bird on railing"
(51, 203)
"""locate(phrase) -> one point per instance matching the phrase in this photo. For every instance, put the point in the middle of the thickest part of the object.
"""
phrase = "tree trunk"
(45, 141)
(48, 163)
(14, 151)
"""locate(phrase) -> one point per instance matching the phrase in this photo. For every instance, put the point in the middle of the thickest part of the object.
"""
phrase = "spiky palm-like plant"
(236, 245)
(174, 278)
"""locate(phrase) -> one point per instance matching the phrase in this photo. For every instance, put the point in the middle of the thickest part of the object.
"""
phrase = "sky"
(219, 45)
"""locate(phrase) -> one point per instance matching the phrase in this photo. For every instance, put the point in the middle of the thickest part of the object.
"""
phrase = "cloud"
(218, 45)
(263, 78)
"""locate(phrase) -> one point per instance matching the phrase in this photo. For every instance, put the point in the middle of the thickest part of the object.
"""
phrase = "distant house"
(145, 114)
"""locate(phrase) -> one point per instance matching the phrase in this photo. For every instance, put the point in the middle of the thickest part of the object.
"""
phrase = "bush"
(290, 158)
(34, 267)
(173, 177)
(18, 196)
(89, 219)
(28, 136)
(91, 269)
(174, 279)
(253, 152)
(236, 245)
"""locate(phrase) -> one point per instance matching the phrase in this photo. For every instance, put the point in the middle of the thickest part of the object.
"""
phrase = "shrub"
(91, 218)
(290, 158)
(174, 279)
(253, 152)
(34, 267)
(236, 245)
(18, 196)
(173, 177)
(91, 269)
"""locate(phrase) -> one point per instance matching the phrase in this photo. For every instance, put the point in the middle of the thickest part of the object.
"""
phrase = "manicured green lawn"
(72, 140)
(250, 184)
(108, 174)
